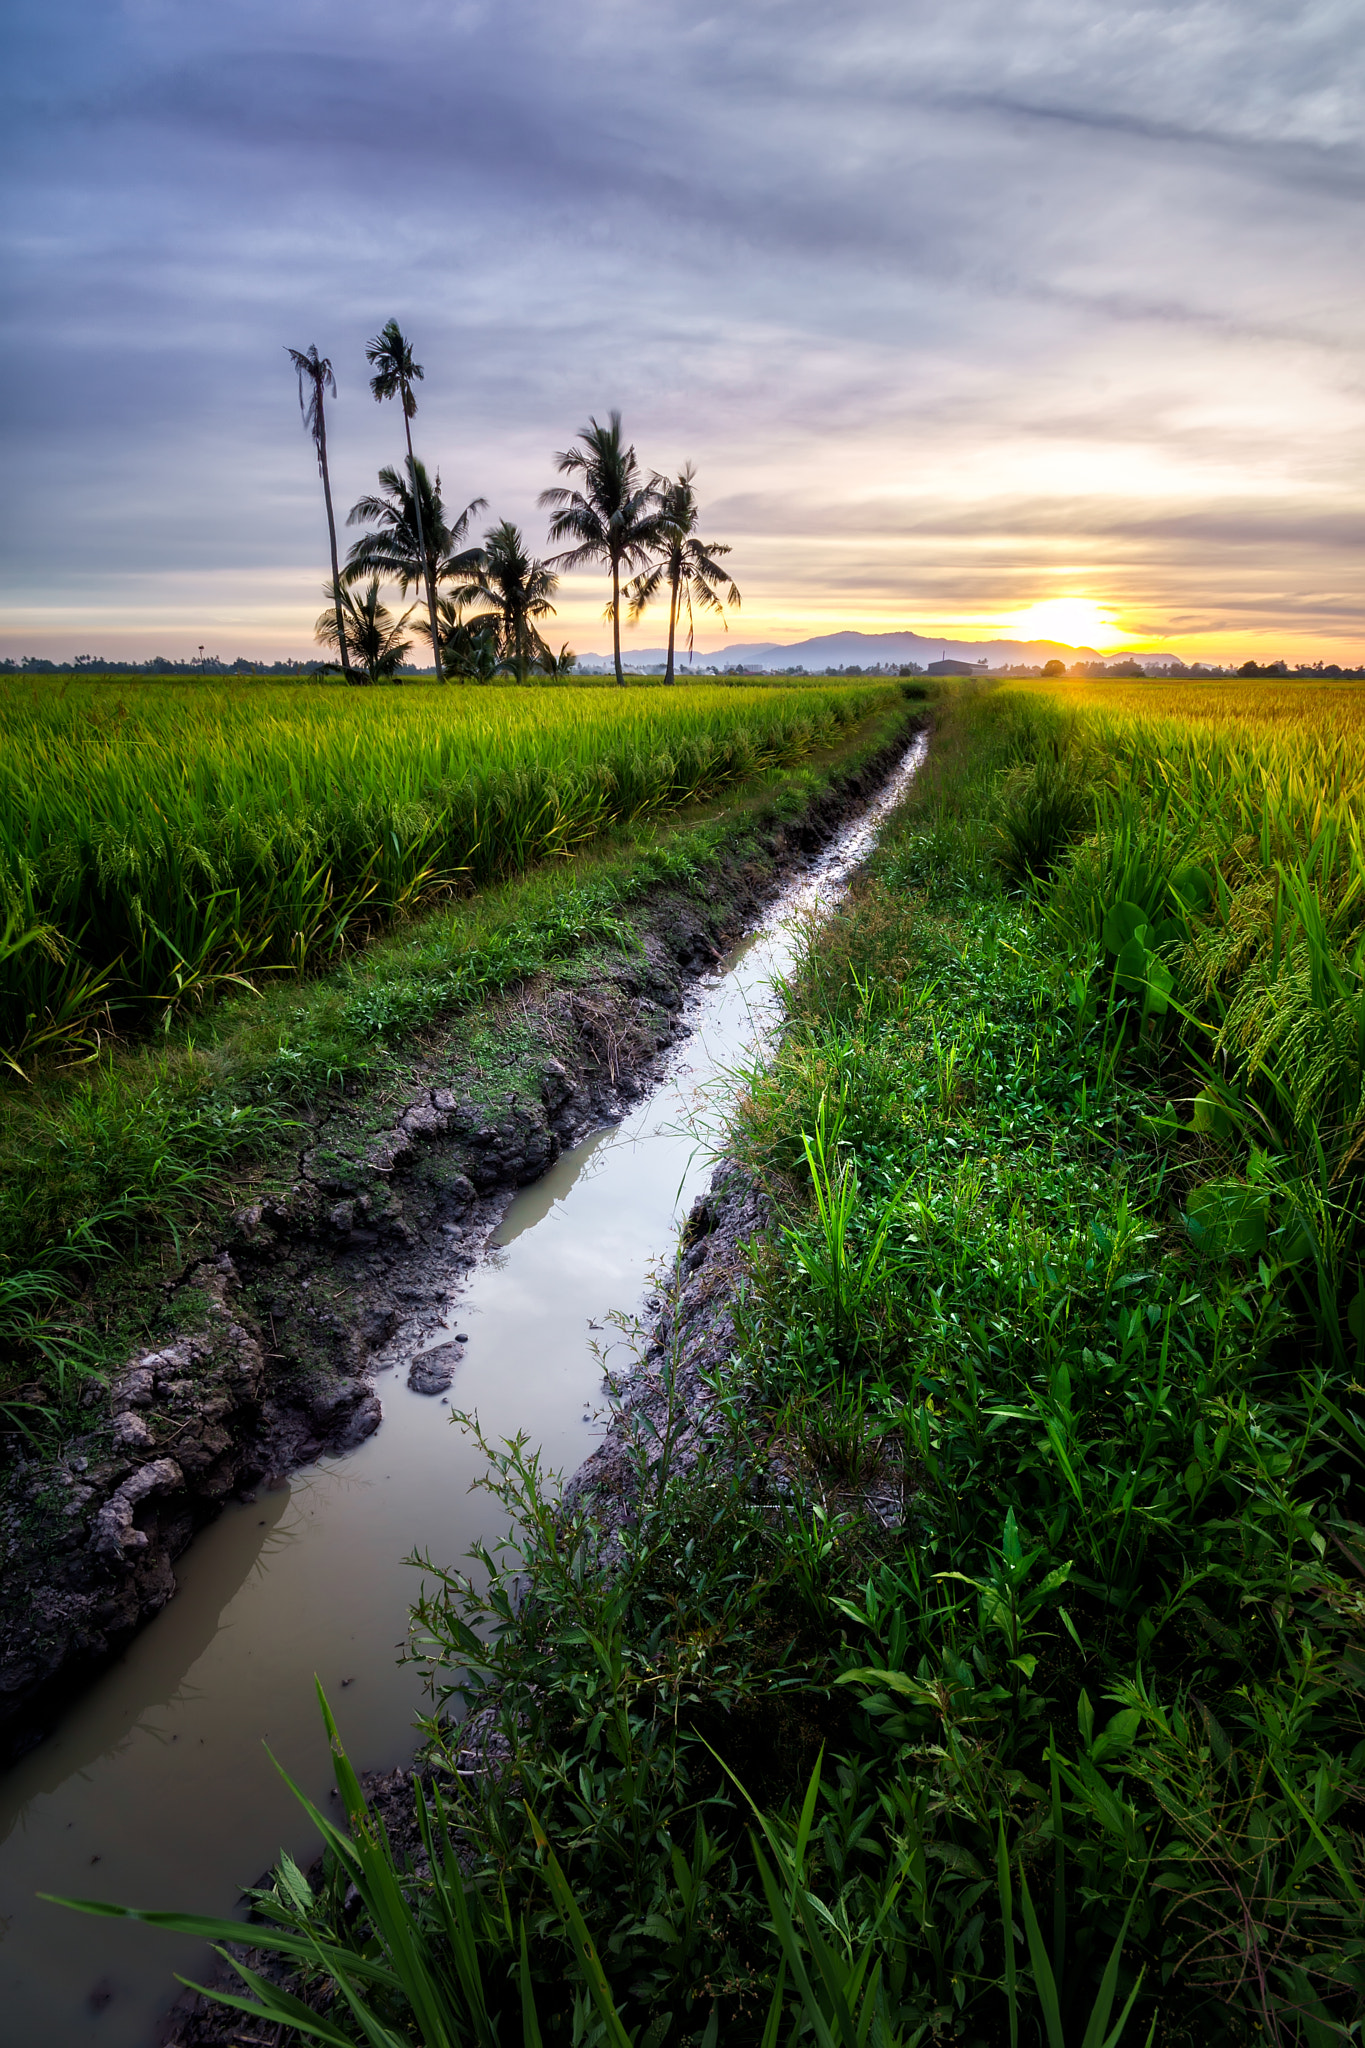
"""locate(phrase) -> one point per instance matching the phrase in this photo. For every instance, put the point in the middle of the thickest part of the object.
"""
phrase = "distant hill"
(831, 650)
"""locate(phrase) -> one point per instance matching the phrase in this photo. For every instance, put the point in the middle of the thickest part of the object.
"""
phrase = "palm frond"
(315, 377)
(580, 520)
(402, 544)
(519, 589)
(644, 589)
(374, 638)
(395, 372)
(687, 567)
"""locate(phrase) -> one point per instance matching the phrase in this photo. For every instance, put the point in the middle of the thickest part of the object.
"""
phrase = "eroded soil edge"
(310, 1290)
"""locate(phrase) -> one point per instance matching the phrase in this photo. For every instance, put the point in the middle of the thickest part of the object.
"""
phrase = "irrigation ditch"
(326, 1305)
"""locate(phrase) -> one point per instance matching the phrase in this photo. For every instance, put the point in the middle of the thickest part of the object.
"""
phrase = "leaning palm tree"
(410, 539)
(315, 376)
(615, 517)
(517, 591)
(395, 372)
(686, 566)
(365, 630)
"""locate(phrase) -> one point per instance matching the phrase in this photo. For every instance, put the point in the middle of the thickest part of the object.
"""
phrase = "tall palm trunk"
(521, 649)
(422, 547)
(332, 537)
(672, 618)
(616, 618)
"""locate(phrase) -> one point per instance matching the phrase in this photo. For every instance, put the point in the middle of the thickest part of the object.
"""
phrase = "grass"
(162, 843)
(1073, 1750)
(130, 1160)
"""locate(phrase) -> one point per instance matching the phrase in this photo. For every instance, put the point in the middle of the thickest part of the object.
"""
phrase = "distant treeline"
(95, 665)
(1158, 670)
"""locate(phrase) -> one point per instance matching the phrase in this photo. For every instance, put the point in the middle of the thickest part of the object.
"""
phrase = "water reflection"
(156, 1789)
(123, 1705)
(532, 1205)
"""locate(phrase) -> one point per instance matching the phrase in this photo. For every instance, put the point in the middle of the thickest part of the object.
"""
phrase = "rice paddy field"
(160, 841)
(1285, 759)
(1033, 1707)
(1230, 820)
(1303, 742)
(1264, 701)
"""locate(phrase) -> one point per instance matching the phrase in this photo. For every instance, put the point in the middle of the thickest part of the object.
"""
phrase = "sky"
(960, 309)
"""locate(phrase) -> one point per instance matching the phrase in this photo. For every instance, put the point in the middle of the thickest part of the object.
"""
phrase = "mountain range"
(829, 650)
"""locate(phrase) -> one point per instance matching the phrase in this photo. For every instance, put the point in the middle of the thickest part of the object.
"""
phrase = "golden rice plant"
(1258, 787)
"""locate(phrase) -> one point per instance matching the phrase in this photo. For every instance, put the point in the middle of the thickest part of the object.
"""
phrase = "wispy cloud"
(952, 306)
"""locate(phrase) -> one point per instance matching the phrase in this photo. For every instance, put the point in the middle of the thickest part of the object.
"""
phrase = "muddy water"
(157, 1789)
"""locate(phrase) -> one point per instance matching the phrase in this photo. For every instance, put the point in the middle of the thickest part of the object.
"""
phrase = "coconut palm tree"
(315, 377)
(558, 665)
(467, 649)
(360, 626)
(410, 539)
(614, 518)
(517, 591)
(395, 372)
(471, 646)
(684, 565)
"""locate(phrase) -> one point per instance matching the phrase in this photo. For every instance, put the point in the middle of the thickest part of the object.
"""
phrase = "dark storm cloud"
(1107, 254)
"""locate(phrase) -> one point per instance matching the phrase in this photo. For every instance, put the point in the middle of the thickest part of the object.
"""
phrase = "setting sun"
(1080, 621)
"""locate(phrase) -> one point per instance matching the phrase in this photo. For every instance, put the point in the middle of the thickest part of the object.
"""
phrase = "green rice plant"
(843, 1258)
(60, 999)
(1296, 1018)
(161, 843)
(1241, 840)
(1043, 809)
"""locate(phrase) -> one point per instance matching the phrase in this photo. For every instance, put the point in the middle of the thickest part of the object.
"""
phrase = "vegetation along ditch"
(247, 1306)
(988, 1665)
(959, 1633)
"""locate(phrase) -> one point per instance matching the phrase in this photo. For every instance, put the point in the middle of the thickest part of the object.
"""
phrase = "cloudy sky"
(961, 307)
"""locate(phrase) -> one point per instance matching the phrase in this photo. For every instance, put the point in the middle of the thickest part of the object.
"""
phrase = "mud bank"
(271, 1338)
(692, 1334)
(668, 1409)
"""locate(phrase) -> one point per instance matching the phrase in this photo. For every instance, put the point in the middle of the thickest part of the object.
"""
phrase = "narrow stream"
(156, 1789)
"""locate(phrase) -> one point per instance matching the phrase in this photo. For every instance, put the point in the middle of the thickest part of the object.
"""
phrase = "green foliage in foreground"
(159, 845)
(998, 1674)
